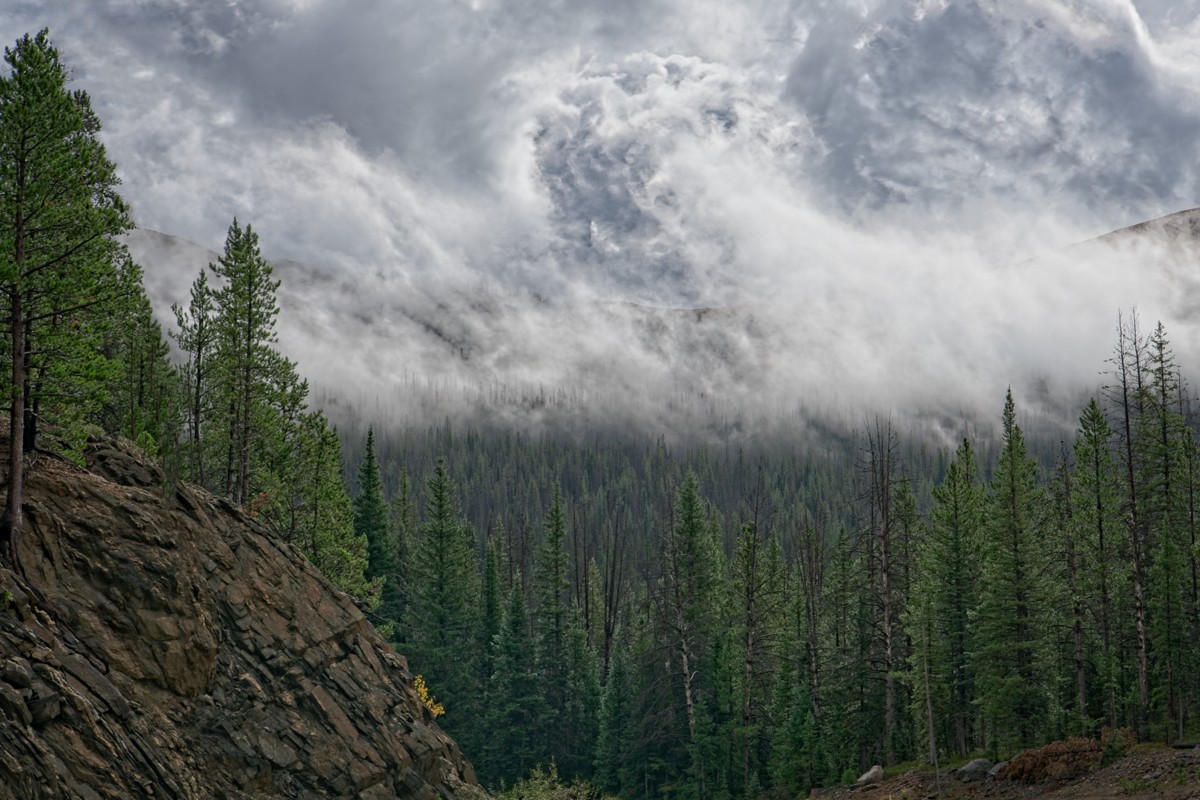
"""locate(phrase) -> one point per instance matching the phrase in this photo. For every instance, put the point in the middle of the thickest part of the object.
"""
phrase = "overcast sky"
(871, 168)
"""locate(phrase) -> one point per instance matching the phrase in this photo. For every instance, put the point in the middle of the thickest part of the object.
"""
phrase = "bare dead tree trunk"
(881, 443)
(1128, 364)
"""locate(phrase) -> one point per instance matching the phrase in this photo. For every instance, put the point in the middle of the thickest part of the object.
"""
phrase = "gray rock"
(974, 771)
(15, 674)
(45, 707)
(994, 772)
(12, 706)
(873, 775)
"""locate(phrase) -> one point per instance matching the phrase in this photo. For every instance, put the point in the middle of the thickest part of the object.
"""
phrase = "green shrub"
(546, 785)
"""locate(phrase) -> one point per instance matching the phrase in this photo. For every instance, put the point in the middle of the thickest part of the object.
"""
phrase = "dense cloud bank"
(873, 196)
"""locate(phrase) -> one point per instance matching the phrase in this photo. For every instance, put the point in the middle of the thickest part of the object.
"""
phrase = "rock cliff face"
(173, 647)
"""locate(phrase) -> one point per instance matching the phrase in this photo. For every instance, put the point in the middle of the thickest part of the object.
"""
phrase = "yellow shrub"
(435, 708)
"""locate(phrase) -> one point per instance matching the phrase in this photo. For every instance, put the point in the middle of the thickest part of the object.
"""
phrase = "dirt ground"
(1145, 772)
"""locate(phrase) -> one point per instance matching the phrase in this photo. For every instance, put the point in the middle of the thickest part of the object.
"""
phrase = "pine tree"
(442, 618)
(246, 313)
(880, 541)
(326, 517)
(278, 443)
(616, 727)
(1160, 440)
(59, 212)
(512, 714)
(197, 338)
(949, 572)
(1128, 395)
(812, 562)
(689, 613)
(550, 629)
(371, 522)
(403, 522)
(143, 395)
(1009, 652)
(1097, 518)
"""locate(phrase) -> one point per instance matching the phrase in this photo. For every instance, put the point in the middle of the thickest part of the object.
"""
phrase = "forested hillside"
(719, 622)
(690, 620)
(84, 354)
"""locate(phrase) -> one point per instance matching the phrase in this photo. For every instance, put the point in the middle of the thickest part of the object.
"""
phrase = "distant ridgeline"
(660, 616)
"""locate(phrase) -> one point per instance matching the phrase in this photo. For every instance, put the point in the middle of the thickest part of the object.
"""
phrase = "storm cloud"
(483, 199)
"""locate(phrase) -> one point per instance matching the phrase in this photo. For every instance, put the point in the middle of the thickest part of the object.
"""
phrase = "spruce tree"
(1010, 656)
(514, 707)
(403, 522)
(325, 515)
(579, 715)
(442, 618)
(1160, 439)
(371, 522)
(949, 571)
(1066, 591)
(550, 629)
(143, 399)
(1097, 518)
(491, 611)
(689, 612)
(616, 726)
(758, 597)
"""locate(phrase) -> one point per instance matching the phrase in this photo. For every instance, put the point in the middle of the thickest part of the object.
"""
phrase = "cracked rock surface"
(173, 647)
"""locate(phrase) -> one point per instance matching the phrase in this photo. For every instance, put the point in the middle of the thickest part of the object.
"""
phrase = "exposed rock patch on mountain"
(170, 646)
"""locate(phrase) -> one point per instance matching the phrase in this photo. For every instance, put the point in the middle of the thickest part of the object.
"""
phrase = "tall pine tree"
(443, 615)
(59, 214)
(1010, 624)
(246, 313)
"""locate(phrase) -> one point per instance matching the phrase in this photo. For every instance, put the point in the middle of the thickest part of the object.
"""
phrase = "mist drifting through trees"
(690, 551)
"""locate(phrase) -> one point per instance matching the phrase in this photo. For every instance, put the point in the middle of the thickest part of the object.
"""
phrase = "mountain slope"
(173, 647)
(931, 335)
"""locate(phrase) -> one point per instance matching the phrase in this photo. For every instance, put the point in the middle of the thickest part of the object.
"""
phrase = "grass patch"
(903, 767)
(1134, 785)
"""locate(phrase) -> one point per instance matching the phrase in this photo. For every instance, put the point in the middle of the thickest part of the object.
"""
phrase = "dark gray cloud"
(1024, 101)
(482, 188)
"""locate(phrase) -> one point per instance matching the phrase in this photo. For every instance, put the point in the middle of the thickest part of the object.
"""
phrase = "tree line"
(937, 608)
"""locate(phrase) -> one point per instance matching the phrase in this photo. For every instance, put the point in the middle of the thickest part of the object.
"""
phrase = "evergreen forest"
(690, 621)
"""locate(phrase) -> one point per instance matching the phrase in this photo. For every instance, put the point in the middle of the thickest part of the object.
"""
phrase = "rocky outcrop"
(974, 770)
(172, 647)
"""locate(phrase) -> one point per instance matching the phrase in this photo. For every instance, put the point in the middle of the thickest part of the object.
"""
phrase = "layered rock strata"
(168, 645)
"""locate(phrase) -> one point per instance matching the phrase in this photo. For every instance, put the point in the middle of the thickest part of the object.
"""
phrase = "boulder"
(994, 772)
(873, 775)
(974, 771)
